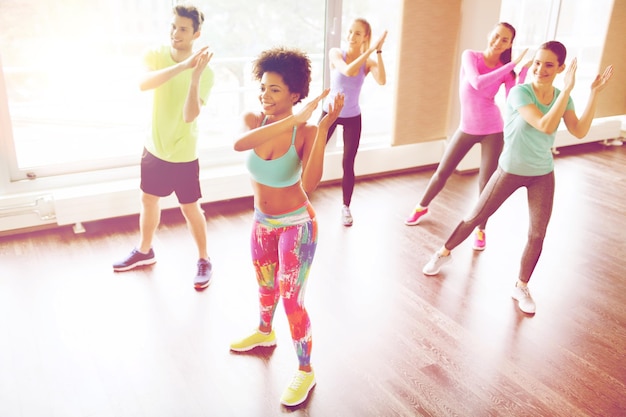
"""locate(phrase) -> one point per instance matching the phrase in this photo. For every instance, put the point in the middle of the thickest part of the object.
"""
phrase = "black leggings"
(351, 140)
(460, 144)
(498, 189)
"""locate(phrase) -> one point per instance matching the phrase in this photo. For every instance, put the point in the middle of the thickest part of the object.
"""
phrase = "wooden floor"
(77, 339)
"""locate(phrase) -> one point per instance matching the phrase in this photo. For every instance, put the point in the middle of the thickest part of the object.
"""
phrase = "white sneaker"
(525, 301)
(436, 262)
(346, 216)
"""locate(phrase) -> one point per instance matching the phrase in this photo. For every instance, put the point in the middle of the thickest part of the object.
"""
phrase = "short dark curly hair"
(292, 64)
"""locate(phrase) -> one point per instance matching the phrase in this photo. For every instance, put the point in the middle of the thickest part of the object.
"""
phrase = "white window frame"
(120, 167)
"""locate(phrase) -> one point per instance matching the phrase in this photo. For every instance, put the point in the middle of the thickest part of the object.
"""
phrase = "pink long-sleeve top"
(478, 87)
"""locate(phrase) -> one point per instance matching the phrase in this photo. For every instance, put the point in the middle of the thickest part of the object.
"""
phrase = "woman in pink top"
(482, 74)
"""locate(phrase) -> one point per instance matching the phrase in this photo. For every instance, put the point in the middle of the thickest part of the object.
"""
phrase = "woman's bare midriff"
(276, 201)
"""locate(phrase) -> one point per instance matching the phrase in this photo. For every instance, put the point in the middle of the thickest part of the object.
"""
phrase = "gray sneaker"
(525, 301)
(203, 277)
(436, 262)
(346, 216)
(135, 259)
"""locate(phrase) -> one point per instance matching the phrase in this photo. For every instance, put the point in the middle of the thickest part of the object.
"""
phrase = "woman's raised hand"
(381, 41)
(601, 80)
(307, 110)
(570, 75)
(333, 112)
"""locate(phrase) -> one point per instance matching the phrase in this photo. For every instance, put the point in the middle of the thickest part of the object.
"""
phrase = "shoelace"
(202, 268)
(480, 235)
(297, 380)
(525, 291)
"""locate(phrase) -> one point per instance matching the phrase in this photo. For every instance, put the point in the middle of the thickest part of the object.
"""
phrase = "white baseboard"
(601, 129)
(79, 204)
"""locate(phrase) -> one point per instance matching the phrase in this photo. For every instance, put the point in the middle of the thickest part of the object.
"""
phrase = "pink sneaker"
(480, 240)
(416, 216)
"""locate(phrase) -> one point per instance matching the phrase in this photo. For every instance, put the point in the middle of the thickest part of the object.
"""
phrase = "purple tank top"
(349, 86)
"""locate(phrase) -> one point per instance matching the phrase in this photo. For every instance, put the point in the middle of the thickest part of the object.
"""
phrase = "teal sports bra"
(281, 172)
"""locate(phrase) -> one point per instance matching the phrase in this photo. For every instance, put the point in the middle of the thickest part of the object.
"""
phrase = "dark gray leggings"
(460, 144)
(351, 140)
(498, 189)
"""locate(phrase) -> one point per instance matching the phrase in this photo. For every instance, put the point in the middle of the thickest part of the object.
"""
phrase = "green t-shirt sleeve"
(519, 97)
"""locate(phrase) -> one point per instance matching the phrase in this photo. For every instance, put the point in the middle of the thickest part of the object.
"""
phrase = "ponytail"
(505, 57)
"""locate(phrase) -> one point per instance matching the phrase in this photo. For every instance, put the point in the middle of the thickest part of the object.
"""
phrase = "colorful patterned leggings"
(283, 248)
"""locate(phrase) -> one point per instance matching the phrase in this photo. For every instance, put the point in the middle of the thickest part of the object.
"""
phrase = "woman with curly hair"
(285, 161)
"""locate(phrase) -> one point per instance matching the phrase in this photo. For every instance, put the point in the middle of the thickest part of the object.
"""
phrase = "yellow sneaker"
(298, 390)
(254, 340)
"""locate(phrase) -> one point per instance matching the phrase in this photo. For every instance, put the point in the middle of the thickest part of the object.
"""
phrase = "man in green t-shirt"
(181, 81)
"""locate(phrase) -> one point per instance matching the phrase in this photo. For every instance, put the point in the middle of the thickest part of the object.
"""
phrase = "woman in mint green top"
(533, 114)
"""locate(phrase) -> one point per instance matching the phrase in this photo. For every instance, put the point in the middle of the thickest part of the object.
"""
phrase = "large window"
(71, 73)
(580, 25)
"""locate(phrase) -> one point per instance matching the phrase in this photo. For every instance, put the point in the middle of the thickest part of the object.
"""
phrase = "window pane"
(580, 25)
(72, 78)
(238, 31)
(582, 29)
(532, 19)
